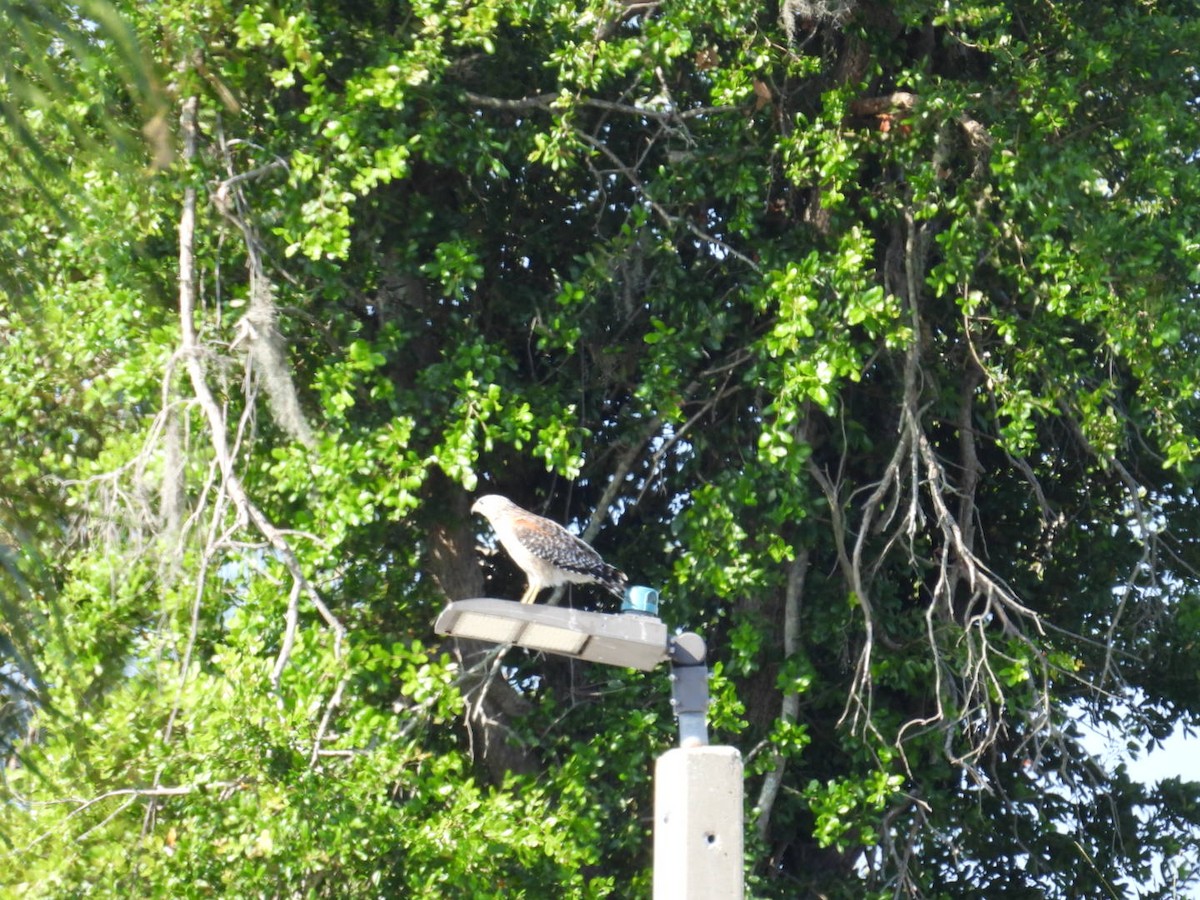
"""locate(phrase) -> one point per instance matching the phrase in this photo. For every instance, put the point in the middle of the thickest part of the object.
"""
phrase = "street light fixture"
(698, 812)
(628, 641)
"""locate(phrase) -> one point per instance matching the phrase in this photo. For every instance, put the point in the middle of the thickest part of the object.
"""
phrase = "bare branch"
(259, 327)
(616, 482)
(790, 707)
(897, 101)
(291, 621)
(1145, 531)
(518, 104)
(331, 707)
(630, 173)
(968, 695)
(229, 486)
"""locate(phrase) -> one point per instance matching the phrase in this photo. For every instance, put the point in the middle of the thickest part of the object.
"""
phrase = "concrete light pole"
(698, 851)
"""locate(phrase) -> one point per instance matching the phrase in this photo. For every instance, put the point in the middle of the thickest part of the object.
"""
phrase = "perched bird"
(547, 553)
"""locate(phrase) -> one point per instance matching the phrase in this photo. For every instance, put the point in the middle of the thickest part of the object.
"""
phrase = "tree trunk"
(491, 700)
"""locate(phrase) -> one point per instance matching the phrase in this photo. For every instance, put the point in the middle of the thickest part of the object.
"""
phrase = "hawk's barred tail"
(608, 577)
(613, 580)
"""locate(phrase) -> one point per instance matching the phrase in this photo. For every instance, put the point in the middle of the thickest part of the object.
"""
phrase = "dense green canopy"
(864, 331)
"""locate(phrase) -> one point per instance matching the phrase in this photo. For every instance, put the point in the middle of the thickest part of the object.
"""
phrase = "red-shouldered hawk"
(547, 553)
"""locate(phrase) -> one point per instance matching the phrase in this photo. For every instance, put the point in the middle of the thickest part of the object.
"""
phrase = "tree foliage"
(864, 331)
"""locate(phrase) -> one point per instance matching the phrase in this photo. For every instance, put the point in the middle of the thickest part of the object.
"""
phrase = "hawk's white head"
(490, 505)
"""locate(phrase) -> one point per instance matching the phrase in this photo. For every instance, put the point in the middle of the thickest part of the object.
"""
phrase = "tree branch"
(259, 327)
(790, 706)
(666, 217)
(230, 484)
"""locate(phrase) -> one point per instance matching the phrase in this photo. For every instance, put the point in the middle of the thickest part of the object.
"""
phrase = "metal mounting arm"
(689, 688)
